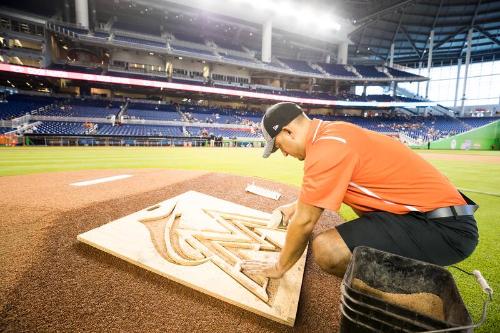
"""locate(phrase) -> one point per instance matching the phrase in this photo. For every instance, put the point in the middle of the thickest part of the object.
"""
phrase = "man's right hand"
(287, 211)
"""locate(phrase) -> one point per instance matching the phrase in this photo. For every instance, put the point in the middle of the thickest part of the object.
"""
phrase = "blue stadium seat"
(229, 45)
(179, 48)
(60, 128)
(189, 38)
(224, 132)
(153, 115)
(81, 111)
(78, 128)
(134, 40)
(131, 25)
(19, 105)
(369, 71)
(299, 66)
(478, 121)
(336, 70)
(237, 58)
(400, 74)
(100, 34)
(4, 130)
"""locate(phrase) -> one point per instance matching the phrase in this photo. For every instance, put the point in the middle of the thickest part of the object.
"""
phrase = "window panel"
(482, 85)
(475, 69)
(496, 67)
(487, 68)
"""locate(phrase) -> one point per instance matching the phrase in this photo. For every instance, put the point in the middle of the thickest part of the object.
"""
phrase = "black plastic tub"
(384, 320)
(396, 274)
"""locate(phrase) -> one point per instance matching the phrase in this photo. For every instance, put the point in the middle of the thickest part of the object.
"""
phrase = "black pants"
(443, 241)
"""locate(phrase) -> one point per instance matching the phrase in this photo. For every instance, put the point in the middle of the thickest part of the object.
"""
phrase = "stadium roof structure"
(315, 19)
(408, 25)
(370, 26)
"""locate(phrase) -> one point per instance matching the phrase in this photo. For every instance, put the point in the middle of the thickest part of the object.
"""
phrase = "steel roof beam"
(411, 41)
(385, 11)
(431, 31)
(362, 26)
(397, 28)
(451, 36)
(395, 34)
(437, 15)
(360, 40)
(486, 34)
(375, 17)
(478, 4)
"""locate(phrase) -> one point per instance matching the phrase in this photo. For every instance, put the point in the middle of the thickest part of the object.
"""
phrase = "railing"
(96, 141)
(71, 119)
(59, 29)
(406, 93)
(20, 120)
(138, 35)
(30, 53)
(141, 46)
(242, 53)
(408, 140)
(402, 68)
(137, 122)
(191, 45)
(442, 110)
(137, 70)
(188, 78)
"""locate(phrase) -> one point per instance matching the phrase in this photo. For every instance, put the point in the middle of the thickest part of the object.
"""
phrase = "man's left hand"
(263, 268)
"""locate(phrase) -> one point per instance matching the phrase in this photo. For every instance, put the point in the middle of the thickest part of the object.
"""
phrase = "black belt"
(463, 210)
(451, 211)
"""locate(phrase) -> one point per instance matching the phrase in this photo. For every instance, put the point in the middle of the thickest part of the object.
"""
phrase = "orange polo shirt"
(369, 172)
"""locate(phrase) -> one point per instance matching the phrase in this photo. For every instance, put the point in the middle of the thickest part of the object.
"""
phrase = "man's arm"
(299, 230)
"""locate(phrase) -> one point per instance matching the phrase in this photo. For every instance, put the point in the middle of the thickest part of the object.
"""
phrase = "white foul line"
(101, 180)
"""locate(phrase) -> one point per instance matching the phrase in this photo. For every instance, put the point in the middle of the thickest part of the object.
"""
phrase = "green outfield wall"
(483, 138)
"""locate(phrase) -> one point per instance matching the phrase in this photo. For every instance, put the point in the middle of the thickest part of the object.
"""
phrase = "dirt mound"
(54, 283)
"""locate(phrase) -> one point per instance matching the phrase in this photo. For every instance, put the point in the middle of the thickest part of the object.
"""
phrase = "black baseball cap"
(276, 117)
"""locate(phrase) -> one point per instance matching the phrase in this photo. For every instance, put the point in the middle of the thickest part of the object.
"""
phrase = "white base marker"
(100, 180)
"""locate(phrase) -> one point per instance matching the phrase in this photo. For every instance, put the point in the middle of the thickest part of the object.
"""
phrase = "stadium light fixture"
(303, 13)
(328, 22)
(285, 8)
(308, 15)
(260, 4)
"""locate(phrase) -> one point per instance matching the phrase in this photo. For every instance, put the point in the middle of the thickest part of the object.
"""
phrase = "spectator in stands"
(405, 205)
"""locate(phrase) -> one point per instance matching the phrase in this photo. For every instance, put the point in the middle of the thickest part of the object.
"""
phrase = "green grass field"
(473, 175)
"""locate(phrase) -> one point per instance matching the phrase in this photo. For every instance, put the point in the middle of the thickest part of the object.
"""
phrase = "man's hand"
(286, 212)
(304, 217)
(263, 268)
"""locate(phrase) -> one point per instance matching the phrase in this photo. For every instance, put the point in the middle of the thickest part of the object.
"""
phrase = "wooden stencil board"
(199, 241)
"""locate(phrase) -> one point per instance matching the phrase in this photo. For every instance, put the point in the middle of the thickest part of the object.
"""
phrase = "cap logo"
(275, 127)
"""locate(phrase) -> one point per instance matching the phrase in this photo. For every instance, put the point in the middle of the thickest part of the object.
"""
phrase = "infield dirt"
(51, 282)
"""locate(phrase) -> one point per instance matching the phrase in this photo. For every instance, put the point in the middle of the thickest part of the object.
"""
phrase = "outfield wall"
(483, 138)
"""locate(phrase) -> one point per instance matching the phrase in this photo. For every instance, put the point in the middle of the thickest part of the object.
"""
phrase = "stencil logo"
(226, 249)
